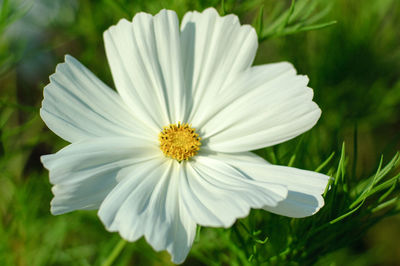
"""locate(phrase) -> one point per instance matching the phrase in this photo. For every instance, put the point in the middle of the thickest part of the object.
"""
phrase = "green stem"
(114, 254)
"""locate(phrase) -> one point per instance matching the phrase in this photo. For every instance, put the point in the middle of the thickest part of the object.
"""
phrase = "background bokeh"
(353, 66)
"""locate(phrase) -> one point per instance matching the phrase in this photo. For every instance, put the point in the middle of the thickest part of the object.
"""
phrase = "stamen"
(180, 141)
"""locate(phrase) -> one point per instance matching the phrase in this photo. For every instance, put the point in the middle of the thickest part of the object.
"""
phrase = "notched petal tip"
(165, 16)
(288, 65)
(42, 111)
(44, 159)
(315, 114)
(56, 208)
(234, 21)
(119, 23)
(138, 16)
(165, 11)
(55, 211)
(305, 78)
(210, 10)
(69, 58)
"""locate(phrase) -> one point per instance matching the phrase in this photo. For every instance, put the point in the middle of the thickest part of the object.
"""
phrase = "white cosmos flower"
(170, 149)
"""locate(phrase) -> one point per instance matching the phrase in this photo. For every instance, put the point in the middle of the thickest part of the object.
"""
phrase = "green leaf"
(324, 163)
(301, 16)
(288, 15)
(385, 204)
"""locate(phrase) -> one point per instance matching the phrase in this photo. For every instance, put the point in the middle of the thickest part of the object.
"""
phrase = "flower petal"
(145, 61)
(148, 203)
(266, 105)
(298, 205)
(214, 50)
(216, 194)
(84, 173)
(305, 187)
(77, 106)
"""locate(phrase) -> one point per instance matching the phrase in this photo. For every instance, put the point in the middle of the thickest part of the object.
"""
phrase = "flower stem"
(115, 252)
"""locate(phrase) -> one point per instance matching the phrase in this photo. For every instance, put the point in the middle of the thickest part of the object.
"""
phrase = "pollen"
(179, 141)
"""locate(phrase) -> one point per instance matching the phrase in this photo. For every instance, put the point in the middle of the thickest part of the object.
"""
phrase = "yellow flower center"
(179, 142)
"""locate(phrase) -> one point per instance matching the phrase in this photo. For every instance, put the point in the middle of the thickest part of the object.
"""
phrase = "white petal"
(298, 205)
(77, 106)
(84, 173)
(145, 61)
(305, 187)
(267, 105)
(214, 49)
(216, 194)
(148, 203)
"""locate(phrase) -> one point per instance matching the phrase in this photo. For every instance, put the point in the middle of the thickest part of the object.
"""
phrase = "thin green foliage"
(302, 15)
(265, 238)
(273, 239)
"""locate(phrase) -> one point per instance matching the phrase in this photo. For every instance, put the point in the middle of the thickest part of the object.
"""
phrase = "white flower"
(170, 149)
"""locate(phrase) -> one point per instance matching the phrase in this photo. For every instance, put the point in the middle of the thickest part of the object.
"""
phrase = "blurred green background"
(353, 66)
